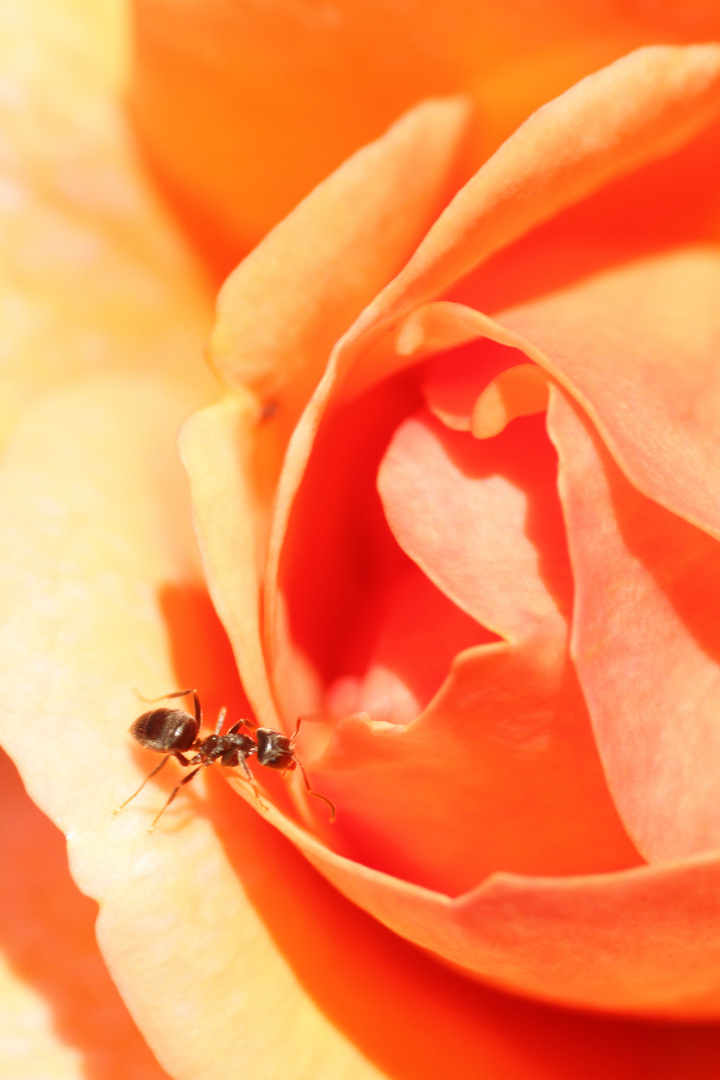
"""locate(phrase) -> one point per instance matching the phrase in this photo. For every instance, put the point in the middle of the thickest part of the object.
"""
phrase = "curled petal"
(640, 941)
(281, 311)
(646, 645)
(519, 391)
(227, 451)
(637, 346)
(641, 107)
(484, 778)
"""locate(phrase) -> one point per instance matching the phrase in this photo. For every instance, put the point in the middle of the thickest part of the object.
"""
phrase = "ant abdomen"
(165, 730)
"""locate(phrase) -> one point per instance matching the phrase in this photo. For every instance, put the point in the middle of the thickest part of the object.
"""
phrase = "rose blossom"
(230, 951)
(436, 625)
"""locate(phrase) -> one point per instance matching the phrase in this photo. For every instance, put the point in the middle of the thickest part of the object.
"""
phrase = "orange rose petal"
(314, 594)
(220, 452)
(474, 785)
(657, 312)
(227, 948)
(647, 646)
(640, 108)
(244, 108)
(641, 940)
(281, 311)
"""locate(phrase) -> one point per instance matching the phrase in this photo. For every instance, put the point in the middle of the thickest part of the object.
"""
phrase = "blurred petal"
(61, 1017)
(93, 276)
(243, 107)
(642, 107)
(281, 311)
(647, 645)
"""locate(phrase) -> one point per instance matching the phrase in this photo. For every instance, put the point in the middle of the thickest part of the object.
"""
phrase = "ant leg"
(148, 777)
(315, 794)
(240, 723)
(251, 781)
(181, 758)
(176, 693)
(173, 793)
(221, 719)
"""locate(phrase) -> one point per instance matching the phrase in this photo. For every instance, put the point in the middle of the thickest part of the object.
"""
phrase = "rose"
(179, 933)
(460, 768)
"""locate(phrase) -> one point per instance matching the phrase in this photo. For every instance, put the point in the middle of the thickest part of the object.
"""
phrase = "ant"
(172, 731)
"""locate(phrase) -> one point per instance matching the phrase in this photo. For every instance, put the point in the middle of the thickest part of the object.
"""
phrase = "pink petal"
(638, 347)
(483, 522)
(646, 644)
(501, 771)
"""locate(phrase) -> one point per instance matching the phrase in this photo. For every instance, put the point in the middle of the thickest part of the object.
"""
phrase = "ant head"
(274, 750)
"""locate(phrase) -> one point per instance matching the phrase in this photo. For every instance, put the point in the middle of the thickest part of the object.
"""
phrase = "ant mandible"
(172, 731)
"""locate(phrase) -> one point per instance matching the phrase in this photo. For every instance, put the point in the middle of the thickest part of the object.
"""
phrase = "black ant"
(171, 731)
